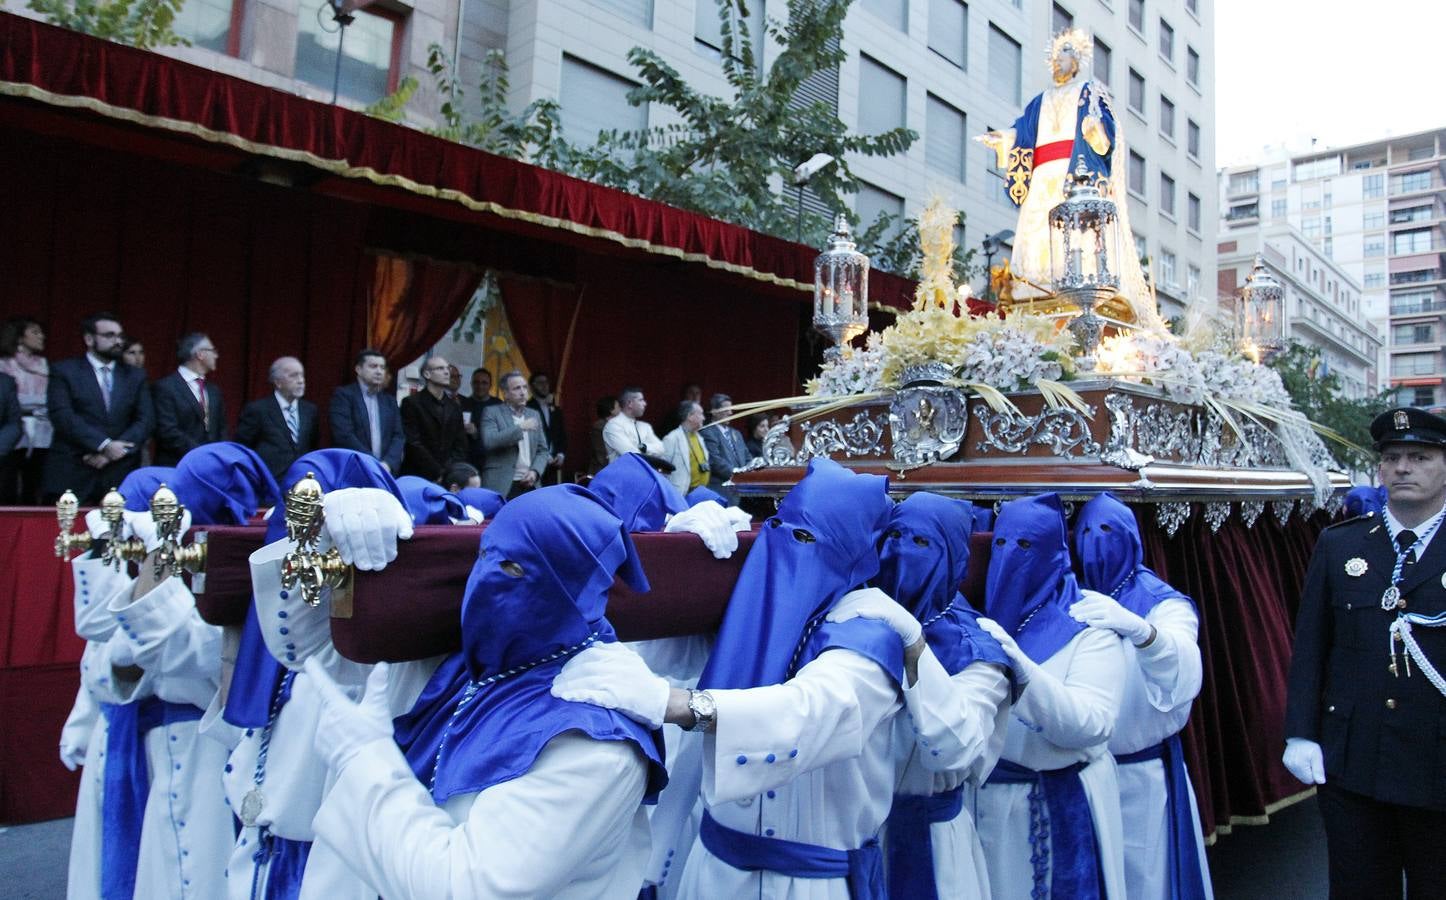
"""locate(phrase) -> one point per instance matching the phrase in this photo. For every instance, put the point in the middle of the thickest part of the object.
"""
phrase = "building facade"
(1378, 211)
(948, 69)
(1322, 301)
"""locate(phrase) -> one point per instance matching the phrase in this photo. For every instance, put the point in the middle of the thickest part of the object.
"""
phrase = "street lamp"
(802, 174)
(1262, 325)
(992, 245)
(1083, 240)
(840, 289)
(341, 14)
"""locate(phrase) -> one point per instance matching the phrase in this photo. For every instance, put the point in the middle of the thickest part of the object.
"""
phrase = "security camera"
(810, 167)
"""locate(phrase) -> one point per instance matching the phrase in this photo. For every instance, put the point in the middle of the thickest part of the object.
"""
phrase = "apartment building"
(948, 69)
(1377, 210)
(1323, 302)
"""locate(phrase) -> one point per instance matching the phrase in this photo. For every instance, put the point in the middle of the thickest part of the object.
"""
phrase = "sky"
(1287, 71)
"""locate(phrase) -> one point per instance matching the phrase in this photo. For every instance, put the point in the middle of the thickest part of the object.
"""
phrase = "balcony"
(1418, 308)
(1417, 276)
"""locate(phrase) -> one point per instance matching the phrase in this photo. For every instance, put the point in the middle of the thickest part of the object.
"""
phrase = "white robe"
(1161, 683)
(1056, 723)
(810, 760)
(952, 735)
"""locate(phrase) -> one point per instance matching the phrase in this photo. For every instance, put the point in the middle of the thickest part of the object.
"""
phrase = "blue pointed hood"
(1030, 585)
(485, 501)
(1112, 556)
(139, 486)
(428, 503)
(224, 484)
(637, 493)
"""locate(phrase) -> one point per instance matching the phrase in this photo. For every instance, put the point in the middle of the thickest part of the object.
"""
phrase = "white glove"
(74, 738)
(97, 526)
(364, 525)
(1103, 611)
(740, 520)
(1304, 760)
(613, 676)
(72, 755)
(872, 603)
(344, 726)
(1024, 667)
(711, 522)
(141, 525)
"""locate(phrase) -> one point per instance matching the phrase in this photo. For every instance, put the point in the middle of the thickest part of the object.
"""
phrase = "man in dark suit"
(1363, 719)
(189, 408)
(364, 416)
(726, 449)
(552, 420)
(102, 414)
(432, 422)
(281, 427)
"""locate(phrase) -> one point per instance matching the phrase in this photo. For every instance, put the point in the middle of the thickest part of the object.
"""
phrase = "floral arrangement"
(854, 371)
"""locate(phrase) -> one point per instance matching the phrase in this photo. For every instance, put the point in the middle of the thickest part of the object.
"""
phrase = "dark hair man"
(189, 408)
(364, 415)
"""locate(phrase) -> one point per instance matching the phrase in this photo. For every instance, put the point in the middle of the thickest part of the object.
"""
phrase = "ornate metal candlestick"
(840, 289)
(1262, 321)
(1084, 238)
(306, 567)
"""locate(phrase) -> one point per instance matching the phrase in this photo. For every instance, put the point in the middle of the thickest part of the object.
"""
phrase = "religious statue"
(1069, 127)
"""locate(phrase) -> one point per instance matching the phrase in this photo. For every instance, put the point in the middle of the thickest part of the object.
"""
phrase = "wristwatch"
(705, 714)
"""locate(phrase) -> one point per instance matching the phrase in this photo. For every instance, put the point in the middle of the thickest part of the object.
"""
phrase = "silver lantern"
(1084, 241)
(1261, 315)
(840, 289)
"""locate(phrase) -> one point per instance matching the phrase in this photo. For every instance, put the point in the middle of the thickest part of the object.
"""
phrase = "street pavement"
(1284, 860)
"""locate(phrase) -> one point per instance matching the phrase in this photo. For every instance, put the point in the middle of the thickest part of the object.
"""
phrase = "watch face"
(703, 705)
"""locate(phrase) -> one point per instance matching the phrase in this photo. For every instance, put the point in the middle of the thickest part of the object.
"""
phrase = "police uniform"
(1382, 731)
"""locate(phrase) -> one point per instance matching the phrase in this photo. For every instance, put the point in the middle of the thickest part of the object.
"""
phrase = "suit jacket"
(726, 452)
(9, 414)
(435, 436)
(262, 427)
(499, 443)
(82, 423)
(351, 430)
(1382, 735)
(553, 424)
(677, 451)
(180, 425)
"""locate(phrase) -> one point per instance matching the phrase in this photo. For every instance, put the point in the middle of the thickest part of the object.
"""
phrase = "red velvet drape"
(411, 303)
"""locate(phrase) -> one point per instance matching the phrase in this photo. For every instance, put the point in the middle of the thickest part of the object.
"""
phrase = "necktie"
(1404, 540)
(205, 412)
(291, 423)
(107, 381)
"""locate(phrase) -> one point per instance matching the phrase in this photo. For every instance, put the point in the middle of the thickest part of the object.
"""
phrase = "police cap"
(1408, 425)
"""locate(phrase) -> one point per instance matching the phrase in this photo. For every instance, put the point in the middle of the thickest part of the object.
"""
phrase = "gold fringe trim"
(1264, 819)
(344, 169)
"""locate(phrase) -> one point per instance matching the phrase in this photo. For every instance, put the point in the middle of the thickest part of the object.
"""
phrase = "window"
(1137, 15)
(895, 12)
(1192, 281)
(1318, 168)
(1373, 220)
(1277, 209)
(1062, 19)
(1406, 364)
(207, 23)
(1192, 138)
(1310, 227)
(708, 27)
(1414, 241)
(1167, 195)
(1167, 268)
(1167, 42)
(872, 202)
(1167, 117)
(1142, 249)
(1413, 334)
(1412, 302)
(945, 137)
(1192, 213)
(1137, 174)
(949, 31)
(1137, 92)
(1192, 66)
(1374, 245)
(1416, 181)
(1102, 61)
(882, 94)
(368, 56)
(1245, 182)
(1374, 280)
(1193, 6)
(1329, 248)
(1003, 64)
(595, 100)
(1373, 185)
(1239, 211)
(1423, 396)
(1413, 214)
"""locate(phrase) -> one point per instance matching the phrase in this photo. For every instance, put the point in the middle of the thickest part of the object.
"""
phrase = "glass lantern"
(1262, 324)
(1084, 245)
(840, 289)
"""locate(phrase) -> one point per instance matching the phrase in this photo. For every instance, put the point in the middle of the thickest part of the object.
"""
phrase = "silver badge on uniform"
(1356, 567)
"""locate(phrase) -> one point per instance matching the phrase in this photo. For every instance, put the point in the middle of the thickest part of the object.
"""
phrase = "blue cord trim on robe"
(863, 868)
(1186, 873)
(911, 846)
(127, 781)
(1062, 831)
(281, 862)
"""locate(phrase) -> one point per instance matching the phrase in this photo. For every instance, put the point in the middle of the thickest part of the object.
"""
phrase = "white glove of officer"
(345, 726)
(711, 522)
(1304, 760)
(142, 526)
(739, 519)
(364, 525)
(75, 738)
(1103, 611)
(872, 603)
(1024, 667)
(613, 676)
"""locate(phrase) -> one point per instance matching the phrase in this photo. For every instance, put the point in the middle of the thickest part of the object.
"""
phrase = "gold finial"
(66, 509)
(305, 567)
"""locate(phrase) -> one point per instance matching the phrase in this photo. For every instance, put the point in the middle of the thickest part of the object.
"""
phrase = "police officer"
(1366, 713)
